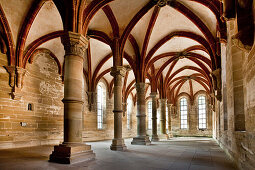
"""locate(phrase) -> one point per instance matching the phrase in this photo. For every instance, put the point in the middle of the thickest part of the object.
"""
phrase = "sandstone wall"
(43, 88)
(235, 130)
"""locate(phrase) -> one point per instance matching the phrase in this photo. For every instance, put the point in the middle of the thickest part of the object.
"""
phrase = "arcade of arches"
(74, 71)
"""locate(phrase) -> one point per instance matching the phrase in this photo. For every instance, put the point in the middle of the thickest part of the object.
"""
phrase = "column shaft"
(154, 117)
(73, 99)
(118, 142)
(141, 138)
(162, 116)
(170, 109)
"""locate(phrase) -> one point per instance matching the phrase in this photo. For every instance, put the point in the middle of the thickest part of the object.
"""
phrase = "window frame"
(204, 112)
(182, 109)
(129, 113)
(149, 111)
(100, 107)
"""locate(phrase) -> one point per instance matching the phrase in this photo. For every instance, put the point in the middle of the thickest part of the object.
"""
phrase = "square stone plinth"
(72, 153)
(163, 137)
(118, 145)
(154, 138)
(144, 140)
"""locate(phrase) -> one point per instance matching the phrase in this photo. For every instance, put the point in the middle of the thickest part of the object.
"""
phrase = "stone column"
(154, 117)
(141, 138)
(72, 150)
(118, 73)
(162, 105)
(170, 135)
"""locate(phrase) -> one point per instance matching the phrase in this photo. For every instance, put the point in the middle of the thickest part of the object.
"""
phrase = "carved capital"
(11, 70)
(74, 44)
(216, 75)
(118, 70)
(162, 101)
(140, 87)
(153, 94)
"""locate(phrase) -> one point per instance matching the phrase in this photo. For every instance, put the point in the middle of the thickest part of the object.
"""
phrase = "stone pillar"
(170, 135)
(72, 150)
(154, 117)
(118, 73)
(162, 106)
(141, 138)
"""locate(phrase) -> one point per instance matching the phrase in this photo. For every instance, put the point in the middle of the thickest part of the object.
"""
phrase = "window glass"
(129, 108)
(201, 112)
(149, 115)
(184, 113)
(100, 96)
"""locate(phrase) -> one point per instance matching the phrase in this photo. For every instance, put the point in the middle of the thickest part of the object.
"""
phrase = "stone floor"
(175, 154)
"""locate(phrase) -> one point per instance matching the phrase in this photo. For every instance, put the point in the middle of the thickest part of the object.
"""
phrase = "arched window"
(100, 97)
(166, 117)
(149, 115)
(201, 112)
(129, 108)
(184, 113)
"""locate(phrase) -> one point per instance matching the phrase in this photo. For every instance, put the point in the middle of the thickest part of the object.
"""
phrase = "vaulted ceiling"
(172, 45)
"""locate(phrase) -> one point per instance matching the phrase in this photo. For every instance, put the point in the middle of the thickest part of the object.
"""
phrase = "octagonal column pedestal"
(162, 105)
(141, 138)
(170, 134)
(118, 73)
(154, 117)
(72, 150)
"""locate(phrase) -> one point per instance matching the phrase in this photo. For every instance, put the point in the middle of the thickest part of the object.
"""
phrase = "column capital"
(118, 70)
(74, 43)
(21, 70)
(169, 104)
(10, 69)
(153, 94)
(162, 100)
(140, 87)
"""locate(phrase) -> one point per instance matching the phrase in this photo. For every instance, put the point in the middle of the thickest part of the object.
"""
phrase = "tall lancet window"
(184, 113)
(100, 98)
(166, 117)
(201, 112)
(149, 115)
(129, 110)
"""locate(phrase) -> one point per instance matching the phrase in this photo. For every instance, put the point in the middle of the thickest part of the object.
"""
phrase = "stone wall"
(237, 135)
(43, 88)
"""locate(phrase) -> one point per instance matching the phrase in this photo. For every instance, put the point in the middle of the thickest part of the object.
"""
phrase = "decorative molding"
(74, 44)
(118, 70)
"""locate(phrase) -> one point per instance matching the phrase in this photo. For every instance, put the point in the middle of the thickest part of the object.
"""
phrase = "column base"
(141, 140)
(154, 138)
(170, 135)
(163, 136)
(118, 145)
(72, 153)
